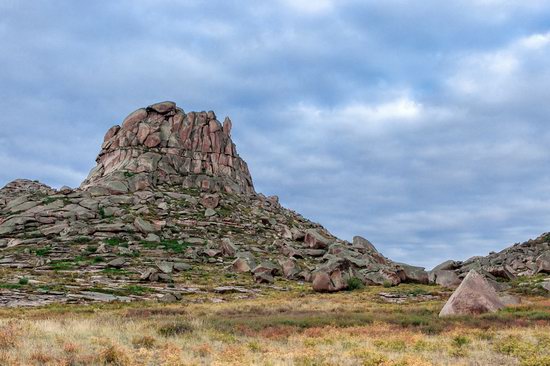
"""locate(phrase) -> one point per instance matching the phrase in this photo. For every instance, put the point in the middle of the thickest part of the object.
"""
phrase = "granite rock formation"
(474, 296)
(170, 209)
(163, 144)
(522, 259)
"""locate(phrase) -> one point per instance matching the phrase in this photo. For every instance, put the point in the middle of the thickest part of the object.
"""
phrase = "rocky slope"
(170, 209)
(522, 259)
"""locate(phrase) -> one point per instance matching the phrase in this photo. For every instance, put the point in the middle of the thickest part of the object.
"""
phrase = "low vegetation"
(293, 327)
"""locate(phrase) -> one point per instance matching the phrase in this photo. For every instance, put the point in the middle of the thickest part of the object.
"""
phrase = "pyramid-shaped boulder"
(474, 296)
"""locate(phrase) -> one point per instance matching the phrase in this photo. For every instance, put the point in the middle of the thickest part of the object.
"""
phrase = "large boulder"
(474, 296)
(543, 263)
(445, 266)
(445, 278)
(324, 281)
(316, 240)
(363, 244)
(227, 248)
(413, 274)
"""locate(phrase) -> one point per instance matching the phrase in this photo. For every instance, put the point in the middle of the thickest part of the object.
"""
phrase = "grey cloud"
(319, 97)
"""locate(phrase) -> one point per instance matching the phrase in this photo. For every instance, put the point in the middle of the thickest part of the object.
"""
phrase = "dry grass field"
(292, 327)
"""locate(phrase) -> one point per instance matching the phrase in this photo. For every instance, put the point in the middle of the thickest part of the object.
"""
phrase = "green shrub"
(23, 281)
(116, 242)
(459, 341)
(355, 283)
(62, 265)
(42, 252)
(82, 240)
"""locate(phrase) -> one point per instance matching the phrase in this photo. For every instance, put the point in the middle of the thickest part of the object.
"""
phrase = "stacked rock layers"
(161, 144)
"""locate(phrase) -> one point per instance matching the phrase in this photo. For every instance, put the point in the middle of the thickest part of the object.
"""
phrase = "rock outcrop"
(525, 259)
(474, 296)
(163, 144)
(169, 196)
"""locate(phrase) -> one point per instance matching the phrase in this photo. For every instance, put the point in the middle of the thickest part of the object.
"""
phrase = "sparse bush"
(423, 346)
(355, 283)
(136, 289)
(82, 240)
(369, 358)
(513, 346)
(535, 360)
(255, 346)
(42, 252)
(114, 355)
(9, 336)
(175, 329)
(146, 341)
(62, 265)
(70, 347)
(460, 340)
(116, 242)
(23, 281)
(394, 345)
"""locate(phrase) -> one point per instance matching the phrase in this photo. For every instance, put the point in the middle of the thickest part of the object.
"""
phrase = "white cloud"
(361, 118)
(309, 6)
(535, 41)
(506, 73)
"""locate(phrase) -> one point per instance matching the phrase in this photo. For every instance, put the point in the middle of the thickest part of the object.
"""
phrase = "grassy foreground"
(294, 327)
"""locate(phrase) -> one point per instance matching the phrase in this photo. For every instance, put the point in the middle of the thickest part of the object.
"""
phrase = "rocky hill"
(519, 260)
(169, 210)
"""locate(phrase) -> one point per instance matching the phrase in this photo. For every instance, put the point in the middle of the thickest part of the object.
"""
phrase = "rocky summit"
(163, 144)
(169, 210)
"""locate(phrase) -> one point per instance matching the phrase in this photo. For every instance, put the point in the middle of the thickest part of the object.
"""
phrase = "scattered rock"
(315, 240)
(166, 267)
(180, 267)
(170, 297)
(144, 226)
(117, 263)
(263, 277)
(228, 249)
(210, 200)
(241, 265)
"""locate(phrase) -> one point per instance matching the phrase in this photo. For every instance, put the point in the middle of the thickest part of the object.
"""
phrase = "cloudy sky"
(420, 125)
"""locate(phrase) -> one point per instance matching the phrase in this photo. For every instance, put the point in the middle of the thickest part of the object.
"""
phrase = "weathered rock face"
(525, 259)
(474, 296)
(163, 144)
